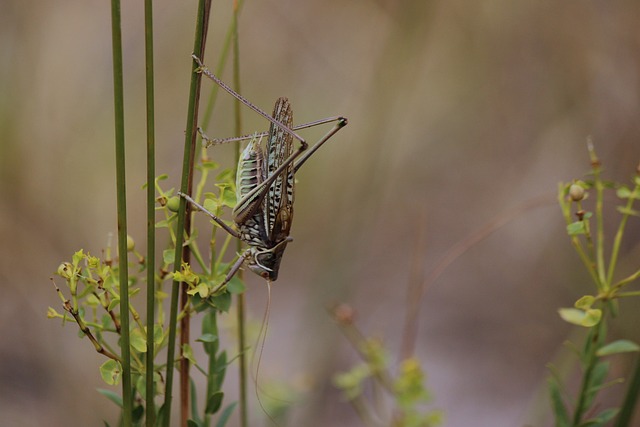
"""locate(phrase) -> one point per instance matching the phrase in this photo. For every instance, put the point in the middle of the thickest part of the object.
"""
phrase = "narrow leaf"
(595, 384)
(226, 413)
(207, 338)
(213, 402)
(602, 419)
(559, 410)
(114, 397)
(627, 211)
(620, 346)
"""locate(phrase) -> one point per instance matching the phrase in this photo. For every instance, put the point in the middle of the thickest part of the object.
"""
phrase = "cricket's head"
(266, 262)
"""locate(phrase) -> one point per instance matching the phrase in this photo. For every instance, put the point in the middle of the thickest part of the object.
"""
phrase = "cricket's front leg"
(234, 269)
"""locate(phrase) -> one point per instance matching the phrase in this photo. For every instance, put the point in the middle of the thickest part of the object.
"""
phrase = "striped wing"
(278, 204)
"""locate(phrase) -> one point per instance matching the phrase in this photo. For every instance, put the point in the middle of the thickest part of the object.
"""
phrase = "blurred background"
(459, 112)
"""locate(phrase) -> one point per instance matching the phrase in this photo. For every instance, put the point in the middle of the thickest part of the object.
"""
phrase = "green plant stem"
(630, 400)
(618, 238)
(202, 20)
(575, 241)
(599, 187)
(595, 340)
(222, 61)
(118, 97)
(241, 316)
(151, 212)
(210, 324)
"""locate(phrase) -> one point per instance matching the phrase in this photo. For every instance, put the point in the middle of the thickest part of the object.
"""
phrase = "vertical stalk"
(628, 407)
(202, 21)
(151, 223)
(242, 359)
(595, 337)
(617, 241)
(599, 187)
(222, 62)
(118, 97)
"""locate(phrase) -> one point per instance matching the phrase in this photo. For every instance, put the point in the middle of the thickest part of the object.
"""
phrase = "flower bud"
(576, 192)
(131, 244)
(173, 204)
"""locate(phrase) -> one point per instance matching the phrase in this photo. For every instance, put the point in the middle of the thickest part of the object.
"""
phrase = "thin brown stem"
(85, 330)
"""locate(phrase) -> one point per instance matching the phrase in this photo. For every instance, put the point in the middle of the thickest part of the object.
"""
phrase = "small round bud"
(173, 204)
(344, 313)
(131, 244)
(576, 192)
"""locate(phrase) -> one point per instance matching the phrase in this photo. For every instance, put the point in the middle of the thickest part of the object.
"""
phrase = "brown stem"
(85, 329)
(186, 253)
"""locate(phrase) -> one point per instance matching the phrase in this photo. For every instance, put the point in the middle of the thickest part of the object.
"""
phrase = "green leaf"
(209, 165)
(114, 397)
(207, 338)
(210, 329)
(226, 413)
(620, 346)
(110, 372)
(227, 196)
(139, 340)
(585, 302)
(627, 211)
(623, 192)
(236, 286)
(577, 228)
(559, 409)
(194, 402)
(595, 384)
(137, 414)
(214, 402)
(220, 369)
(168, 256)
(113, 304)
(187, 352)
(601, 419)
(221, 301)
(211, 204)
(162, 413)
(141, 385)
(193, 423)
(586, 318)
(158, 335)
(227, 176)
